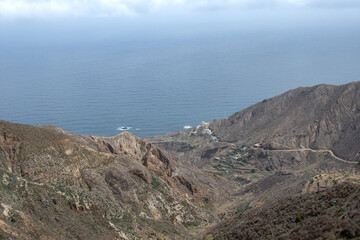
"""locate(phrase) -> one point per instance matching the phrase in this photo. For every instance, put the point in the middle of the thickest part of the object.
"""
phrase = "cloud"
(335, 3)
(101, 8)
(51, 8)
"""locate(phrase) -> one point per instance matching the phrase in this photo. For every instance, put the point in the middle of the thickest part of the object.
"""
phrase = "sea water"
(152, 83)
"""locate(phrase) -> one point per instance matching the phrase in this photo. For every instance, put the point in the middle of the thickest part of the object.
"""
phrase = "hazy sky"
(58, 21)
(14, 9)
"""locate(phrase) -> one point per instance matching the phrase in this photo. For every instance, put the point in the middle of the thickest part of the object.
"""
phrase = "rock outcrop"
(117, 187)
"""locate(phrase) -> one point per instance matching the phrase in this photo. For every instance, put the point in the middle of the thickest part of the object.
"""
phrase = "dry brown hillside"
(320, 117)
(58, 185)
(332, 213)
(285, 168)
(308, 136)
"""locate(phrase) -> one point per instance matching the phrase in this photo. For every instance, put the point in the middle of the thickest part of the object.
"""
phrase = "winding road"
(312, 150)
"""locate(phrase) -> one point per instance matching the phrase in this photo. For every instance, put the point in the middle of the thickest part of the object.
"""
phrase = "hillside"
(320, 117)
(58, 185)
(274, 148)
(248, 176)
(329, 214)
(317, 126)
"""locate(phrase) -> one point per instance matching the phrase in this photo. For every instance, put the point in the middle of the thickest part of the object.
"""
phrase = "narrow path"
(313, 150)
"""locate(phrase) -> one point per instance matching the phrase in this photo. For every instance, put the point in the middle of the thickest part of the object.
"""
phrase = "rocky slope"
(299, 147)
(329, 214)
(274, 148)
(305, 130)
(58, 185)
(311, 135)
(320, 117)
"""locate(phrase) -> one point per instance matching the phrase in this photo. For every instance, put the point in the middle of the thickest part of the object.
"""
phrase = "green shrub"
(298, 218)
(209, 237)
(155, 183)
(239, 210)
(253, 170)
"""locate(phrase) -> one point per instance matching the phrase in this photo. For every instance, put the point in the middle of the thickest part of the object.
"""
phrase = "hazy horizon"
(52, 9)
(93, 66)
(63, 21)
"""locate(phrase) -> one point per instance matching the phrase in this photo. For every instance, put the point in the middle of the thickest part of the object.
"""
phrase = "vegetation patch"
(155, 183)
(192, 226)
(242, 209)
(209, 237)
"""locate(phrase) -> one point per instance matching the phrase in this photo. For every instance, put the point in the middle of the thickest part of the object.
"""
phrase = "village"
(202, 129)
(237, 159)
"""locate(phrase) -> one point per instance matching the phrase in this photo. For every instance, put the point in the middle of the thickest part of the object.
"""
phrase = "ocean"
(154, 85)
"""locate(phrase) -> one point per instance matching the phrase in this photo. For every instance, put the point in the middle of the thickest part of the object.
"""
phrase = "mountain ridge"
(126, 185)
(186, 185)
(313, 114)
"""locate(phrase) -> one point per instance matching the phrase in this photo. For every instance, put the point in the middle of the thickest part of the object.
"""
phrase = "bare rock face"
(129, 144)
(170, 169)
(9, 145)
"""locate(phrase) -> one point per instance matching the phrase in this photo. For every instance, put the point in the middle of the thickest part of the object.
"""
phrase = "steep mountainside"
(304, 131)
(271, 150)
(320, 117)
(280, 169)
(58, 185)
(329, 214)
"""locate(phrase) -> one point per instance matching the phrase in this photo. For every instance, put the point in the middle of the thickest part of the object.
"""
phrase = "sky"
(51, 9)
(32, 22)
